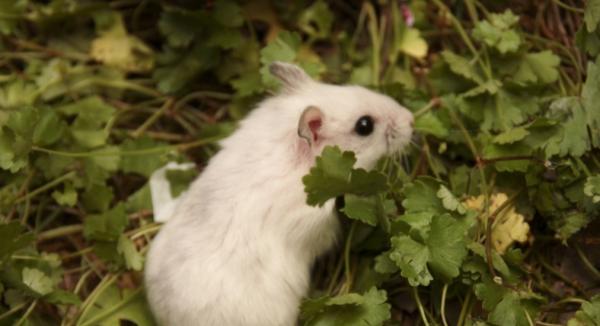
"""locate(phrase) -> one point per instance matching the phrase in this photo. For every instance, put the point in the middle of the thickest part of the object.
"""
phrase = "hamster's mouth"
(396, 139)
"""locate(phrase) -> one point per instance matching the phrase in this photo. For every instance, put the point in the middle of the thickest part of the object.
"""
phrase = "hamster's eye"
(364, 125)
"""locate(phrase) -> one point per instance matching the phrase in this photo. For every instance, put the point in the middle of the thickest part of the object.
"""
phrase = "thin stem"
(466, 309)
(465, 37)
(91, 299)
(59, 232)
(148, 151)
(443, 304)
(45, 187)
(336, 274)
(94, 320)
(13, 310)
(27, 313)
(375, 42)
(199, 95)
(587, 262)
(348, 271)
(558, 274)
(420, 305)
(430, 105)
(567, 7)
(152, 119)
(475, 153)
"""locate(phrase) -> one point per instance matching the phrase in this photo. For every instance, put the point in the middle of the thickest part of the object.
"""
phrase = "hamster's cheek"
(367, 156)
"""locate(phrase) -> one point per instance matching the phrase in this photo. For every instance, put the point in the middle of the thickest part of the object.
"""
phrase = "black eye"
(364, 125)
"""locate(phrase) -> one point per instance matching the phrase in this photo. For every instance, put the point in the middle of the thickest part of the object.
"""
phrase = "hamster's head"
(354, 118)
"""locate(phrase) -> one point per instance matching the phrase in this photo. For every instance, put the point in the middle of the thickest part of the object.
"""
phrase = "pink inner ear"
(314, 126)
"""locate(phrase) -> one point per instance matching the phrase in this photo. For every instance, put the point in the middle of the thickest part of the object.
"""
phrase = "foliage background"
(96, 95)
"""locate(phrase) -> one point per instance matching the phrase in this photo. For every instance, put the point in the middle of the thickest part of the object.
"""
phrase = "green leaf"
(498, 32)
(106, 158)
(228, 13)
(143, 164)
(511, 136)
(13, 237)
(365, 209)
(37, 281)
(589, 314)
(49, 128)
(573, 140)
(283, 48)
(179, 68)
(316, 20)
(442, 251)
(592, 188)
(334, 176)
(92, 113)
(384, 264)
(97, 197)
(181, 26)
(497, 262)
(462, 67)
(368, 309)
(67, 197)
(507, 307)
(592, 15)
(13, 151)
(590, 97)
(107, 226)
(114, 306)
(140, 200)
(495, 151)
(62, 297)
(179, 180)
(537, 69)
(421, 196)
(569, 224)
(450, 201)
(428, 123)
(133, 259)
(11, 15)
(411, 257)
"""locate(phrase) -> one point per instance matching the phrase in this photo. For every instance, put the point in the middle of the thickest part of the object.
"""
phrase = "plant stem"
(348, 271)
(420, 305)
(567, 7)
(430, 105)
(95, 320)
(443, 304)
(466, 308)
(108, 280)
(59, 232)
(587, 262)
(152, 119)
(27, 313)
(465, 37)
(13, 310)
(45, 187)
(148, 151)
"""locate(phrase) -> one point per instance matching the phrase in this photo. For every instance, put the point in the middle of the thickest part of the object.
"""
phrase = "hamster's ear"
(291, 76)
(309, 125)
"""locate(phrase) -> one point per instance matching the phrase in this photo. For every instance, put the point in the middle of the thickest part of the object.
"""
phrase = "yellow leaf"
(413, 44)
(116, 48)
(509, 226)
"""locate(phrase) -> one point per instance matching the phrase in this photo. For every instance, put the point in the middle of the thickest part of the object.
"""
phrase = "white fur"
(241, 244)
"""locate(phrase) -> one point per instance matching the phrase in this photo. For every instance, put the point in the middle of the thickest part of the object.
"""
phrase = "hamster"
(239, 248)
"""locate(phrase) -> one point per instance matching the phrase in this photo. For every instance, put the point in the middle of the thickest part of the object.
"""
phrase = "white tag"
(163, 202)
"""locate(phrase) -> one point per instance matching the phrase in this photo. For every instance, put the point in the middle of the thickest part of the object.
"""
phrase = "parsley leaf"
(333, 176)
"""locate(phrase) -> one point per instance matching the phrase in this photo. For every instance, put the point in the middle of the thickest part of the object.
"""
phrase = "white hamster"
(239, 248)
